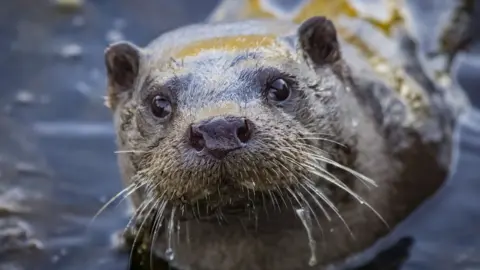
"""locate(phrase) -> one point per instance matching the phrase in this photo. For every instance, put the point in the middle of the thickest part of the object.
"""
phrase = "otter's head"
(226, 120)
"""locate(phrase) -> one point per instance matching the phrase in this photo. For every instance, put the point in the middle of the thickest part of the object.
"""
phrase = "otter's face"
(222, 126)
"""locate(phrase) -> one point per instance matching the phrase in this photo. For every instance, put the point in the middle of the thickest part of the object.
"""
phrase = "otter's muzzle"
(220, 135)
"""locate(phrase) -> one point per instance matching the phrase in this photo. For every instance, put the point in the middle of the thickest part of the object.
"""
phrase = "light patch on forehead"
(228, 44)
(222, 108)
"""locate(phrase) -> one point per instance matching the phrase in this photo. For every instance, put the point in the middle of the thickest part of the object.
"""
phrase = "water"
(57, 160)
(305, 216)
(170, 253)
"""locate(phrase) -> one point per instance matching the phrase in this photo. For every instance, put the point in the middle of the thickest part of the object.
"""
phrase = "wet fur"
(329, 96)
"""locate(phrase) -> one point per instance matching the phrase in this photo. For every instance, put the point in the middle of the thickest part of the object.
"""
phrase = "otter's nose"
(220, 135)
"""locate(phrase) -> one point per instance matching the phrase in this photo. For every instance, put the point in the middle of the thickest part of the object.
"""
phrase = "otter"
(264, 144)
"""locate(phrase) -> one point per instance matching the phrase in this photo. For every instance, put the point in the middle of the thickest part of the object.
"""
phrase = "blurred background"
(57, 161)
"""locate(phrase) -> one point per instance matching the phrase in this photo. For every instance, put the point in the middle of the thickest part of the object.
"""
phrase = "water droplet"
(306, 219)
(178, 231)
(354, 122)
(169, 254)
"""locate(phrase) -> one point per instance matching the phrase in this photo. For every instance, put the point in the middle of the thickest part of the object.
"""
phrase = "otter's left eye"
(278, 90)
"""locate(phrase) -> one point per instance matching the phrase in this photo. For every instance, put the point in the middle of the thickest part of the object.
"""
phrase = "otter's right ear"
(122, 61)
(317, 38)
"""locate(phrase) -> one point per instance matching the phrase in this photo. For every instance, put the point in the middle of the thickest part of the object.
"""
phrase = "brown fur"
(268, 177)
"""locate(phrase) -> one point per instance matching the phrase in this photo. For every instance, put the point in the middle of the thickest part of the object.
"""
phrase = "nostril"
(196, 139)
(244, 132)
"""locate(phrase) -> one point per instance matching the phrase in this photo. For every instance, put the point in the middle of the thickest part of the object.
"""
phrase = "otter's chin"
(231, 202)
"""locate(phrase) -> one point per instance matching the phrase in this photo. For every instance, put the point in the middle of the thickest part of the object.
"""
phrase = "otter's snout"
(217, 136)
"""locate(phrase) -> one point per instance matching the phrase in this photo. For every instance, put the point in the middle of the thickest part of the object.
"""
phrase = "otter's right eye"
(161, 107)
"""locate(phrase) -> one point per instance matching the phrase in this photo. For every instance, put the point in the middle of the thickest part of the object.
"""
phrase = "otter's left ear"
(317, 39)
(122, 61)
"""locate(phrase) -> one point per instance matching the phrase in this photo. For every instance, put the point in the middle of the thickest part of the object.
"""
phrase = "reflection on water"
(57, 161)
(73, 129)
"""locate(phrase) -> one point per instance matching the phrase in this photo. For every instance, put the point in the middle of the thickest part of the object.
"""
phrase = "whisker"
(329, 161)
(294, 196)
(309, 208)
(264, 203)
(282, 197)
(274, 201)
(355, 195)
(105, 205)
(156, 228)
(314, 169)
(316, 201)
(323, 174)
(304, 132)
(137, 187)
(129, 151)
(324, 139)
(331, 205)
(285, 177)
(345, 168)
(141, 208)
(139, 231)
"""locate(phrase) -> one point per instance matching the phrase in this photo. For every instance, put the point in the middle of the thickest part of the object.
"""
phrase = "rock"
(11, 202)
(16, 235)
